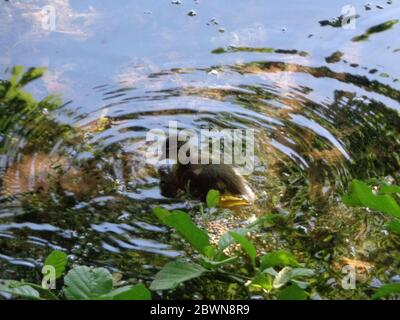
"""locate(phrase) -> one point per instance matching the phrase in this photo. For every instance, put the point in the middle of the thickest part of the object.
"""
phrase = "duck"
(195, 179)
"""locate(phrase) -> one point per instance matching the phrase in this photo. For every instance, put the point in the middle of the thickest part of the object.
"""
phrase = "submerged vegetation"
(80, 283)
(276, 274)
(379, 197)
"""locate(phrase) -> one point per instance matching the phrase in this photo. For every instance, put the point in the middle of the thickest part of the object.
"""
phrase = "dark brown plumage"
(197, 179)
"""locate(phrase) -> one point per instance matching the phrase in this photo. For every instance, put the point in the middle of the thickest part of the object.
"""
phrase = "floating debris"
(376, 29)
(380, 7)
(231, 49)
(368, 6)
(192, 13)
(334, 57)
(214, 21)
(222, 30)
(337, 22)
(176, 2)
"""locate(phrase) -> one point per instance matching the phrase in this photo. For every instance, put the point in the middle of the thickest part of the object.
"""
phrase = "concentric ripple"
(79, 181)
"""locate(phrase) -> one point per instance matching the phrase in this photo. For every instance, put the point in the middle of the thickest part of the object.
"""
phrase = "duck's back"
(198, 179)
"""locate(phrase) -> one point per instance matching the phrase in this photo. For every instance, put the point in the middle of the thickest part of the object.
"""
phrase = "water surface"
(319, 123)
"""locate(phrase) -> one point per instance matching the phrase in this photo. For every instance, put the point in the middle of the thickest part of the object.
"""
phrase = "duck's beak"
(232, 202)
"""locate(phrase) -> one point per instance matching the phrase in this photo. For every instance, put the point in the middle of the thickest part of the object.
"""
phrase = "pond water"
(320, 120)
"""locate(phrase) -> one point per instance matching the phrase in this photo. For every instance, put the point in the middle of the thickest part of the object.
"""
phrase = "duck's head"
(169, 184)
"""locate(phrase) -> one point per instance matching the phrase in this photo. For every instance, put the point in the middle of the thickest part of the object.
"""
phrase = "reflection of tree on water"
(71, 169)
(42, 154)
(365, 129)
(55, 181)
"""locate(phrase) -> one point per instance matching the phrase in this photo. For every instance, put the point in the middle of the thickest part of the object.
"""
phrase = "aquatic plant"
(80, 283)
(237, 258)
(277, 273)
(378, 197)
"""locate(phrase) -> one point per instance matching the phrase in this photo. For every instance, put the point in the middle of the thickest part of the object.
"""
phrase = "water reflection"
(76, 180)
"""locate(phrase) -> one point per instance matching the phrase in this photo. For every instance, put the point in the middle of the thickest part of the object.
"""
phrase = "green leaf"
(210, 251)
(262, 281)
(44, 293)
(278, 258)
(302, 272)
(387, 290)
(136, 292)
(216, 263)
(389, 189)
(19, 289)
(266, 219)
(161, 214)
(212, 198)
(83, 283)
(226, 240)
(246, 245)
(174, 273)
(182, 223)
(288, 274)
(58, 260)
(360, 194)
(283, 277)
(394, 226)
(292, 292)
